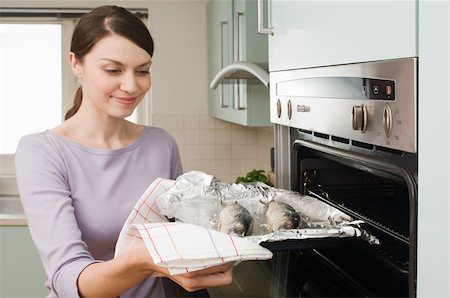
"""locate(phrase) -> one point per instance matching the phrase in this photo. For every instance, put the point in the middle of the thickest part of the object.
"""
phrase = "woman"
(80, 180)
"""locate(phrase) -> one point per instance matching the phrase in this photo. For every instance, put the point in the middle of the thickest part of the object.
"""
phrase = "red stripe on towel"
(153, 243)
(235, 249)
(144, 201)
(173, 242)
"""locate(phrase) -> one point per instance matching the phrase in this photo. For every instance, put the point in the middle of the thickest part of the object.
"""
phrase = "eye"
(112, 70)
(143, 72)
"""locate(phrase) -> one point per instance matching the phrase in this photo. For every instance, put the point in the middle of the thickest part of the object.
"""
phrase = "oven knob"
(289, 107)
(387, 121)
(359, 118)
(278, 108)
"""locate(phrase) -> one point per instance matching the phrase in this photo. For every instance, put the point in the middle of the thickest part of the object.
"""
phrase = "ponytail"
(76, 104)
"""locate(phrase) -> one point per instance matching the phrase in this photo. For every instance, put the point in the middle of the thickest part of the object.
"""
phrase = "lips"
(126, 100)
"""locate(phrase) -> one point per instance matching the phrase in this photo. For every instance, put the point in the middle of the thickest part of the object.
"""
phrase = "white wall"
(180, 59)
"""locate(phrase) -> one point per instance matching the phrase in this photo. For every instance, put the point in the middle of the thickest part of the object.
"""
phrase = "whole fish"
(234, 219)
(281, 216)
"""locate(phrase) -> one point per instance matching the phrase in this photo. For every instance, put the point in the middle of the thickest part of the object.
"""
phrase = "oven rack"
(376, 189)
(389, 256)
(386, 252)
(323, 196)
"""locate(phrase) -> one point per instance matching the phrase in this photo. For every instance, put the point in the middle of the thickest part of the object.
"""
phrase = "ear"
(75, 65)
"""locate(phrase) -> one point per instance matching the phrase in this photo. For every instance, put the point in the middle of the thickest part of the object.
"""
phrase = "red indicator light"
(388, 89)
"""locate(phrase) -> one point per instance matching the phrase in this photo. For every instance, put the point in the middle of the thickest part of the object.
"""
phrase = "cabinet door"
(220, 53)
(317, 33)
(251, 97)
(21, 271)
(232, 37)
(253, 46)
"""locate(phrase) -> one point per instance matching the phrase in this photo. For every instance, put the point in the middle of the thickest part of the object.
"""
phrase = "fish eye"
(240, 231)
(288, 226)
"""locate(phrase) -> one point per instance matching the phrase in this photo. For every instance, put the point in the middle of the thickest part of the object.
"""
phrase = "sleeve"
(176, 168)
(45, 194)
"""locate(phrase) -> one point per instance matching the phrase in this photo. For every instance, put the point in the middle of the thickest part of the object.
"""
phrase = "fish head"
(238, 230)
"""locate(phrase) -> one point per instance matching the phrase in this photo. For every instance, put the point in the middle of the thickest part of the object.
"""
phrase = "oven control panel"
(373, 102)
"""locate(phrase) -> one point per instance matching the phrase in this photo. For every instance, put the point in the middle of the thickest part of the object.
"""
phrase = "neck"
(100, 130)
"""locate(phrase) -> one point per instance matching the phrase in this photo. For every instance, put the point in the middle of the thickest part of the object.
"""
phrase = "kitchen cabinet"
(433, 217)
(318, 33)
(21, 271)
(232, 37)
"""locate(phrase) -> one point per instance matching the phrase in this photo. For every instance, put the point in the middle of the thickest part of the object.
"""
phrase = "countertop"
(11, 211)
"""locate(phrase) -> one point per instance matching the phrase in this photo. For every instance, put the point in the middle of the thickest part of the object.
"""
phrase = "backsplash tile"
(251, 152)
(223, 136)
(223, 149)
(192, 136)
(159, 120)
(239, 152)
(174, 121)
(192, 152)
(238, 136)
(208, 136)
(208, 152)
(251, 136)
(192, 122)
(207, 122)
(222, 125)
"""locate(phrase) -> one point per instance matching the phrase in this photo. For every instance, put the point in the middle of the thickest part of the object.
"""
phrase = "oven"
(347, 135)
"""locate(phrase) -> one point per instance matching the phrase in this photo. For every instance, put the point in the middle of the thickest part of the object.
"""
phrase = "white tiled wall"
(217, 147)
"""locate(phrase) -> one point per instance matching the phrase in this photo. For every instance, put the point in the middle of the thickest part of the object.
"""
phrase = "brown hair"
(99, 23)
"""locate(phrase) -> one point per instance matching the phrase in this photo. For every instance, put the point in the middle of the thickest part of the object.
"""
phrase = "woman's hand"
(215, 276)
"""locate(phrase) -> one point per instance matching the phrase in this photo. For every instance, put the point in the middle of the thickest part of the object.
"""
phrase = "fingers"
(210, 270)
(206, 278)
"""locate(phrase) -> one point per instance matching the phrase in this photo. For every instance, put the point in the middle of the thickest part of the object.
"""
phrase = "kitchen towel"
(181, 247)
(144, 211)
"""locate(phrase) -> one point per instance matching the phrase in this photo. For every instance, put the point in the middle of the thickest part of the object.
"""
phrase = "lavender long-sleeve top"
(76, 200)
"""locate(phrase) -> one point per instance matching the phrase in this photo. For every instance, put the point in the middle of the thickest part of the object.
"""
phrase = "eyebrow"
(120, 63)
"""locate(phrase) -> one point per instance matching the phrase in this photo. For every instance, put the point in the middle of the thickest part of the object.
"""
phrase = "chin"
(122, 115)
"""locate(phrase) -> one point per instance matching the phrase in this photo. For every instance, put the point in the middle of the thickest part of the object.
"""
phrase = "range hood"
(241, 70)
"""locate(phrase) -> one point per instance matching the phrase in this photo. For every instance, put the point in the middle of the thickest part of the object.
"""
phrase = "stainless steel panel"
(333, 115)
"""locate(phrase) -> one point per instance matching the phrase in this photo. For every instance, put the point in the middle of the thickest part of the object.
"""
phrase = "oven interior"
(384, 200)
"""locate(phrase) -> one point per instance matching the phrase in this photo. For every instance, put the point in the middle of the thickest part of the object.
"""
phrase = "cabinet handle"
(238, 38)
(238, 89)
(239, 55)
(260, 13)
(223, 26)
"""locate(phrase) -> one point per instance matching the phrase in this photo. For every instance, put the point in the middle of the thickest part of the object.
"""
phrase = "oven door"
(376, 186)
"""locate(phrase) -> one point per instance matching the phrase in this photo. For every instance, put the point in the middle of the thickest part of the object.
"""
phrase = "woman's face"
(115, 76)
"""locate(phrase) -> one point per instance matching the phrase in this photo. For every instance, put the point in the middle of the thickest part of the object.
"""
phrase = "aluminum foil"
(198, 198)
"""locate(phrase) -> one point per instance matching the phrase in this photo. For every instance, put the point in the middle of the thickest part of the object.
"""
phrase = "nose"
(129, 83)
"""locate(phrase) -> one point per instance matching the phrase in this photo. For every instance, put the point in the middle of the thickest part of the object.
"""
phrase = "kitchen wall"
(178, 100)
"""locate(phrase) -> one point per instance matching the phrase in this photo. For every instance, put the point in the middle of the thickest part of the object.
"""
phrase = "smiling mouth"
(126, 100)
